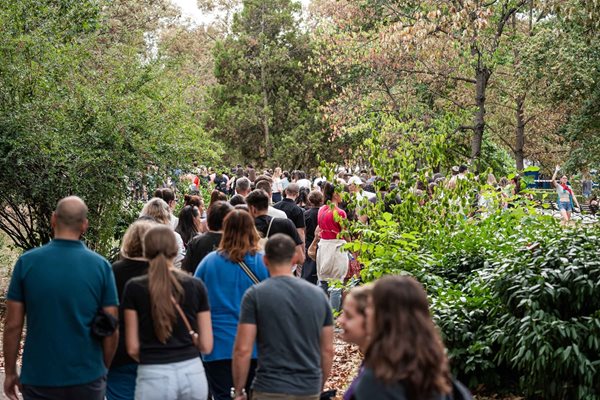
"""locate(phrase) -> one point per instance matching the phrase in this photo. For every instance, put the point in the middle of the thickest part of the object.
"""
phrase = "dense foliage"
(266, 103)
(80, 113)
(514, 294)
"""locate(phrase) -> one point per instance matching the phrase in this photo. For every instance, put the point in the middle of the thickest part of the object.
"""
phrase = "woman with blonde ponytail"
(168, 323)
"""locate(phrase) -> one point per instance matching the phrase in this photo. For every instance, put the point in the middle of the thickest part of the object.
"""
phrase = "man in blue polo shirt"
(60, 287)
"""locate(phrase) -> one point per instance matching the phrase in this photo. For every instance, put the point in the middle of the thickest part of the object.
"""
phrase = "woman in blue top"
(226, 283)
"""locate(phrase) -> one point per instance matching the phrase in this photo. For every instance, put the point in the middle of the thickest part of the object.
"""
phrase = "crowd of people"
(219, 303)
(234, 297)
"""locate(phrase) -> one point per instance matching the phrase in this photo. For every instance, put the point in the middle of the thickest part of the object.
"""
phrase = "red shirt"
(329, 227)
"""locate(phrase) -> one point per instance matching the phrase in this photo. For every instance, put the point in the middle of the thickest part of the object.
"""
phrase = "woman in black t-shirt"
(156, 333)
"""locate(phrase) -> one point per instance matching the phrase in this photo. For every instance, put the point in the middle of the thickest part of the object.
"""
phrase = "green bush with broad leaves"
(515, 295)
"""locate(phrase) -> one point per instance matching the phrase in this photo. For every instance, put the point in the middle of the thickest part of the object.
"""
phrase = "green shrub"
(548, 318)
(516, 297)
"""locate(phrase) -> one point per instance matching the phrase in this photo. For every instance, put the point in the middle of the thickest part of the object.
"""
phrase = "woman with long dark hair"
(189, 223)
(405, 358)
(167, 321)
(227, 273)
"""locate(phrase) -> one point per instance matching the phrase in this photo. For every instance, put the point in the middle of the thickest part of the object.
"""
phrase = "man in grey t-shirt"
(292, 323)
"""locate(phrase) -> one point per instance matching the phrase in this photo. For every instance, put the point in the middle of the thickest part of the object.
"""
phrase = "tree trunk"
(265, 112)
(482, 76)
(520, 134)
(263, 82)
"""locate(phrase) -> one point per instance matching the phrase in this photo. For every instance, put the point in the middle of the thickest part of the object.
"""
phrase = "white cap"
(355, 180)
(317, 181)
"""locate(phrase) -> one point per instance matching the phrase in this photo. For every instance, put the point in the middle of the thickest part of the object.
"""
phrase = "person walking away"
(227, 273)
(59, 288)
(302, 181)
(242, 186)
(276, 188)
(169, 197)
(315, 201)
(264, 183)
(258, 201)
(167, 323)
(295, 348)
(120, 383)
(291, 210)
(190, 224)
(566, 197)
(158, 210)
(201, 245)
(332, 259)
(586, 184)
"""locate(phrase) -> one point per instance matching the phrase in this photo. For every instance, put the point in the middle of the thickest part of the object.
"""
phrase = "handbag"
(186, 322)
(103, 324)
(354, 267)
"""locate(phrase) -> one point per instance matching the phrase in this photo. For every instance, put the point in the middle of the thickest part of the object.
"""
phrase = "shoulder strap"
(460, 391)
(269, 228)
(186, 322)
(249, 272)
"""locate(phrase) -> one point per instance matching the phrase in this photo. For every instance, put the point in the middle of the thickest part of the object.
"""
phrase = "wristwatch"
(233, 393)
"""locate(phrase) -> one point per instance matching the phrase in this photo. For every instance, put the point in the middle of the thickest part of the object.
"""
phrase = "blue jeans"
(184, 380)
(334, 294)
(120, 383)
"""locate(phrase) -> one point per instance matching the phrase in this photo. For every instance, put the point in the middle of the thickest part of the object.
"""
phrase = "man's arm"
(109, 343)
(242, 351)
(13, 329)
(302, 233)
(326, 352)
(298, 255)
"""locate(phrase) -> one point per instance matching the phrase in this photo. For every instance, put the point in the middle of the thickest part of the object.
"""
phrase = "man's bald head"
(71, 214)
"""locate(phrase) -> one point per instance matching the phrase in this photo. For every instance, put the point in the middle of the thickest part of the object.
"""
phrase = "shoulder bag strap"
(188, 326)
(249, 272)
(269, 228)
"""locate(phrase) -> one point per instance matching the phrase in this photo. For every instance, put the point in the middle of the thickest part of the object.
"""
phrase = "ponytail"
(162, 285)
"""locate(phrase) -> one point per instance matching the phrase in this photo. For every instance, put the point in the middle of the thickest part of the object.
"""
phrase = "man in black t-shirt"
(289, 207)
(203, 244)
(258, 205)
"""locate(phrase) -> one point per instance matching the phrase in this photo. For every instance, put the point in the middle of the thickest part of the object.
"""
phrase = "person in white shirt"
(265, 185)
